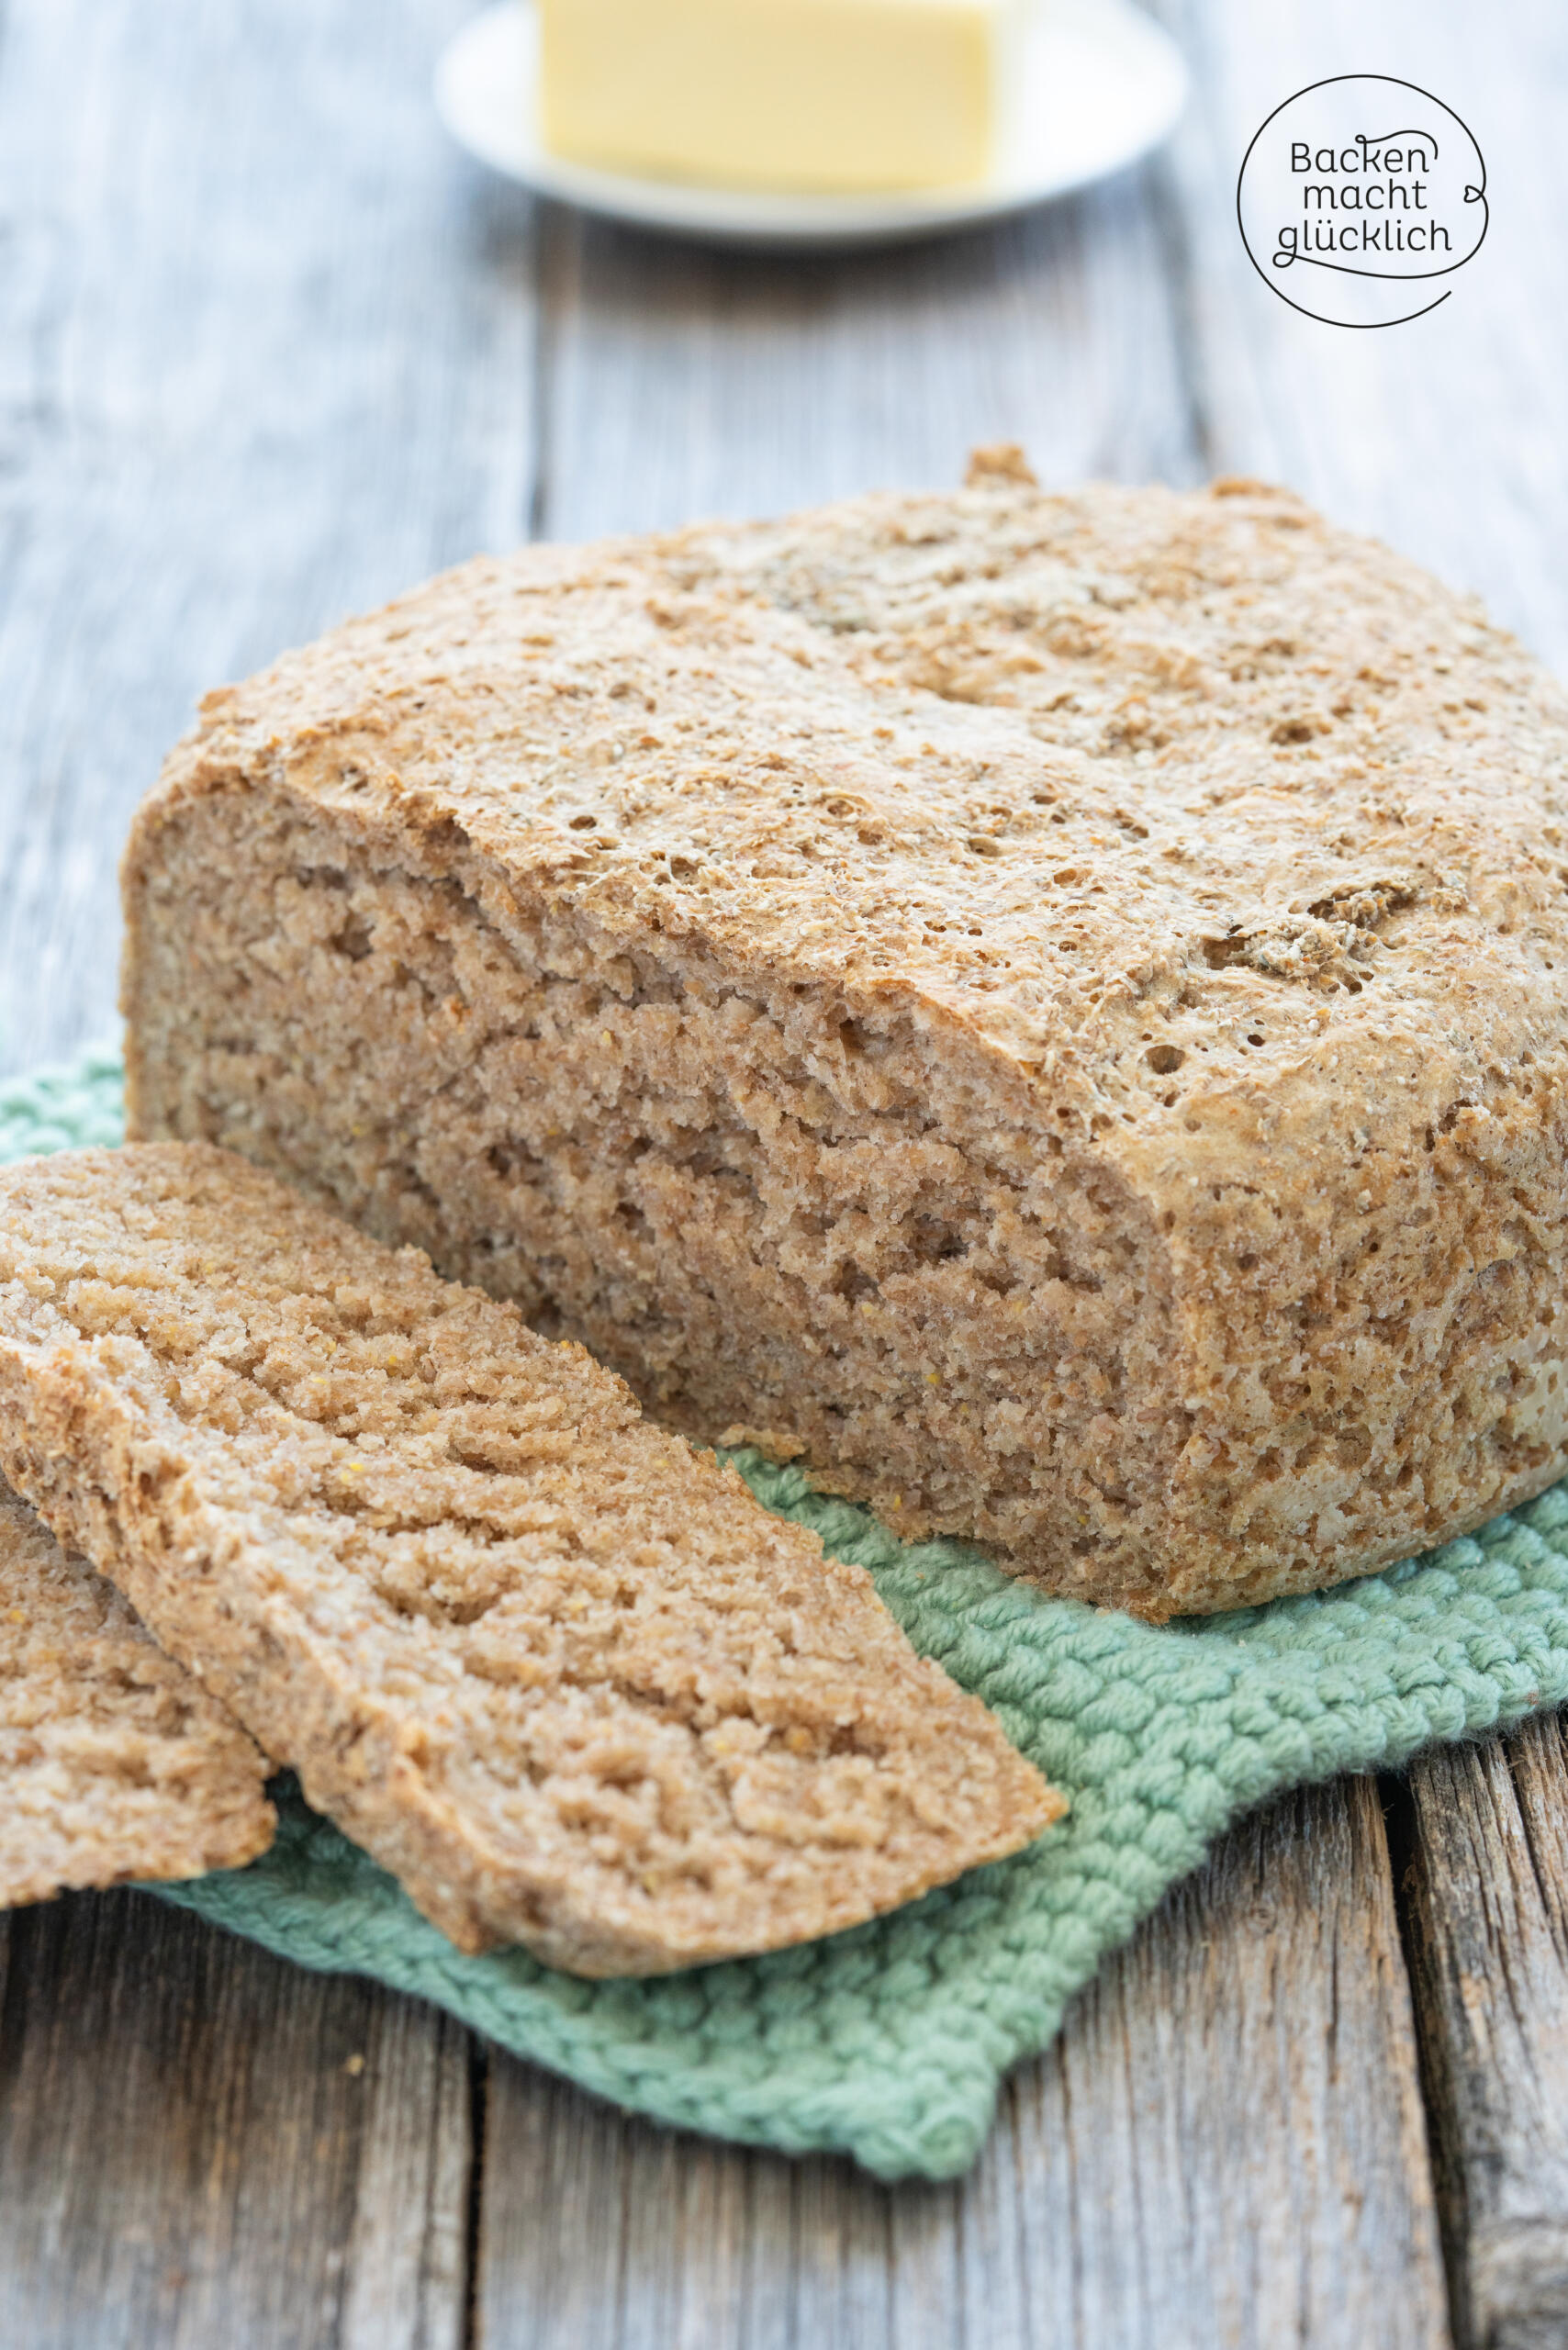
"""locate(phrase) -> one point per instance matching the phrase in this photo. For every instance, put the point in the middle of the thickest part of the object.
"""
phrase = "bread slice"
(1049, 1010)
(114, 1763)
(553, 1667)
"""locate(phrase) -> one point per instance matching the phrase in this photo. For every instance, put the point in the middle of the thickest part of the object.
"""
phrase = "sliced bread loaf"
(1051, 1010)
(114, 1763)
(556, 1669)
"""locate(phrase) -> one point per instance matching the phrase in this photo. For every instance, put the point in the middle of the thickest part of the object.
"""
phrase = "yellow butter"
(827, 95)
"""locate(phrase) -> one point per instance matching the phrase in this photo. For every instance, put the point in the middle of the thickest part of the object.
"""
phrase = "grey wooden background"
(270, 350)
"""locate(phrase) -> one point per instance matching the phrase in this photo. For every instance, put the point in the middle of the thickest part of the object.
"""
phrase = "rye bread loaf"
(1048, 1009)
(114, 1763)
(556, 1669)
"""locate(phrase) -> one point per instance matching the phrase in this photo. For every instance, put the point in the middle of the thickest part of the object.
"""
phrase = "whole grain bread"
(556, 1669)
(1048, 1009)
(114, 1763)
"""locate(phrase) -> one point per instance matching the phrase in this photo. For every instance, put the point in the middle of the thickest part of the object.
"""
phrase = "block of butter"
(832, 96)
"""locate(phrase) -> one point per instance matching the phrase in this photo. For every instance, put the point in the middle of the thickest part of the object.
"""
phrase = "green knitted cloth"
(888, 2042)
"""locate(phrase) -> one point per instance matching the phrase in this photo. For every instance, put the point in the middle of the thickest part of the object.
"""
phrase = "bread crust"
(114, 1763)
(1047, 1009)
(557, 1670)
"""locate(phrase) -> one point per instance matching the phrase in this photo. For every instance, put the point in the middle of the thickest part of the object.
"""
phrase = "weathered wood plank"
(265, 357)
(202, 2145)
(1487, 1890)
(1263, 2102)
(681, 381)
(1226, 2145)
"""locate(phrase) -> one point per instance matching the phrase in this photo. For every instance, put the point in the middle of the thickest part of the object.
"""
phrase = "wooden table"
(270, 350)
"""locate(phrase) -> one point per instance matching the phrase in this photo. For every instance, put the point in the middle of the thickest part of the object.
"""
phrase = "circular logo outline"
(1363, 326)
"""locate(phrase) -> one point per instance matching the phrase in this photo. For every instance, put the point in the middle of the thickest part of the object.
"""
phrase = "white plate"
(1100, 85)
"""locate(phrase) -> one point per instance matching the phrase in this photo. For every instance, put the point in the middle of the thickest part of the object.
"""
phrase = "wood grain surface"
(1488, 1916)
(269, 351)
(266, 356)
(1226, 2144)
(200, 2146)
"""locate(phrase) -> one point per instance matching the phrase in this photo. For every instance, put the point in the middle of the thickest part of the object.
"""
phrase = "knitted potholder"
(888, 2042)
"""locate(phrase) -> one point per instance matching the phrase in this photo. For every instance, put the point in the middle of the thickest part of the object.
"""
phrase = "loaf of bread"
(114, 1763)
(1048, 1010)
(556, 1669)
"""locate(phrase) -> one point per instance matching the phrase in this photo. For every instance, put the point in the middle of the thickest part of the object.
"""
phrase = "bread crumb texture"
(550, 1664)
(114, 1763)
(1048, 1010)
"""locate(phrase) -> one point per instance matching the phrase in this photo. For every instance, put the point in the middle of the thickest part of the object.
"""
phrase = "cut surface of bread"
(114, 1764)
(1049, 1010)
(553, 1667)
